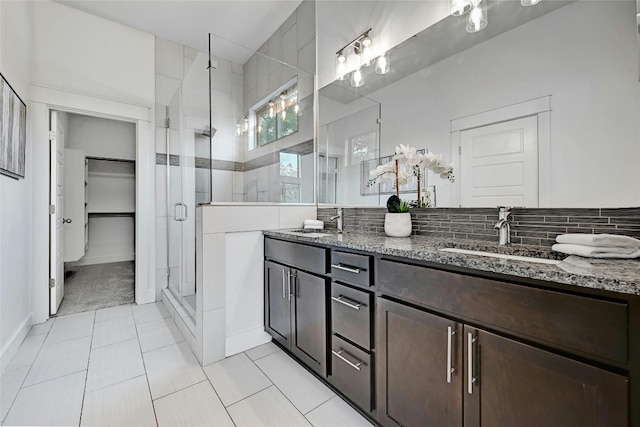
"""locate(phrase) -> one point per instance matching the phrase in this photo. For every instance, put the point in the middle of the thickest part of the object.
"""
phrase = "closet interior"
(99, 205)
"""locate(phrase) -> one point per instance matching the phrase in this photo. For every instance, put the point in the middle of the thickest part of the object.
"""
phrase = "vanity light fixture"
(477, 17)
(357, 54)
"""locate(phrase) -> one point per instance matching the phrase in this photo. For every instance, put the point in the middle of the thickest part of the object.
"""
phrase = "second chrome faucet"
(503, 226)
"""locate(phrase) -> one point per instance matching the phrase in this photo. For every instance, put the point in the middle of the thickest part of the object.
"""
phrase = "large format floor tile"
(172, 368)
(336, 413)
(71, 327)
(113, 331)
(262, 350)
(52, 403)
(197, 405)
(300, 387)
(124, 404)
(113, 364)
(59, 359)
(235, 378)
(149, 312)
(266, 408)
(27, 352)
(42, 328)
(158, 333)
(10, 384)
(111, 313)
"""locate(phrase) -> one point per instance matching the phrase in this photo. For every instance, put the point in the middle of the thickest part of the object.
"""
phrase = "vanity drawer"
(351, 314)
(304, 257)
(351, 268)
(586, 325)
(351, 372)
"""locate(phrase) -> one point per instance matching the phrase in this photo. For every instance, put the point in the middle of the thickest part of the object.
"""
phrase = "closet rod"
(107, 159)
(111, 214)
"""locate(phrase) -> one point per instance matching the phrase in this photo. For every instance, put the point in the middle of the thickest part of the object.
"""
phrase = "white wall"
(391, 21)
(91, 55)
(15, 199)
(591, 75)
(98, 137)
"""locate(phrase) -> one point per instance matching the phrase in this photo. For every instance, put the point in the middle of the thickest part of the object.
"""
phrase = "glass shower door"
(181, 203)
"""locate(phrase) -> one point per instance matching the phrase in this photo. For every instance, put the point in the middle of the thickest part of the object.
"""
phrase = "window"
(278, 117)
(290, 177)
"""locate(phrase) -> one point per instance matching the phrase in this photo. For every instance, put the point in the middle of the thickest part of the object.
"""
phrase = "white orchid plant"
(407, 162)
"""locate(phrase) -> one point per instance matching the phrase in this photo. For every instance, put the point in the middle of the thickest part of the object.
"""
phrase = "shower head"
(207, 132)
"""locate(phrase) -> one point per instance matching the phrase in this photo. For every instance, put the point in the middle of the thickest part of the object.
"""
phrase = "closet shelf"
(110, 214)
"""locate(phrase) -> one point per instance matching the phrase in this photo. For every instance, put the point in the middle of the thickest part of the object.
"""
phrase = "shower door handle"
(175, 212)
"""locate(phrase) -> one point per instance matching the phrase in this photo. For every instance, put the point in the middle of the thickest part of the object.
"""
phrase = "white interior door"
(56, 223)
(499, 164)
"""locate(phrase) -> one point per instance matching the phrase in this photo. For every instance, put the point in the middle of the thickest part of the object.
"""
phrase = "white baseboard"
(246, 340)
(11, 347)
(102, 260)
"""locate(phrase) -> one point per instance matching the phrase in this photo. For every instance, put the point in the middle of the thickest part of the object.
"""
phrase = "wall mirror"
(539, 109)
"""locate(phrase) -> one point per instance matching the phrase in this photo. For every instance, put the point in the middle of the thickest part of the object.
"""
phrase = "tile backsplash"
(529, 226)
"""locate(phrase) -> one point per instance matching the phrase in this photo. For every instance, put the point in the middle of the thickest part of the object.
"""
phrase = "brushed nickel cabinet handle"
(471, 379)
(290, 275)
(284, 280)
(450, 369)
(339, 355)
(346, 301)
(344, 268)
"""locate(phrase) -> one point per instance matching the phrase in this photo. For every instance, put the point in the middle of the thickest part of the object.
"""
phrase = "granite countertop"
(621, 276)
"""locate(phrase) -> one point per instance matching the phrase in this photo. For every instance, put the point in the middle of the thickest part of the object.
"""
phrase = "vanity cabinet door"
(277, 313)
(309, 320)
(419, 369)
(508, 384)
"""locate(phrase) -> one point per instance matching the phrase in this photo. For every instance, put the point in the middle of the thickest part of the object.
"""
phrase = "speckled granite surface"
(621, 276)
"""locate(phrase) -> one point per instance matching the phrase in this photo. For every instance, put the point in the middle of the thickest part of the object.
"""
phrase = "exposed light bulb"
(366, 41)
(341, 67)
(366, 58)
(382, 64)
(356, 78)
(477, 18)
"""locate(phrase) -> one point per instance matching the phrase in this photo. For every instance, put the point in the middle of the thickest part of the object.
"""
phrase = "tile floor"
(129, 366)
(92, 287)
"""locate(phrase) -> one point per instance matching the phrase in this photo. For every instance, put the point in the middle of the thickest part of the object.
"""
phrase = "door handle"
(66, 220)
(450, 369)
(284, 280)
(290, 275)
(471, 379)
(175, 212)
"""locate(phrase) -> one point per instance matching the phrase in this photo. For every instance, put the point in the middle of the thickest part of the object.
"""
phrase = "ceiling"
(238, 27)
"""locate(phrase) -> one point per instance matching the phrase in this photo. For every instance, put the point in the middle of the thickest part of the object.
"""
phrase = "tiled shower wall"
(537, 227)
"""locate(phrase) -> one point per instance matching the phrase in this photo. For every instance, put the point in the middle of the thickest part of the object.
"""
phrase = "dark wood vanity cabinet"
(436, 369)
(295, 303)
(416, 344)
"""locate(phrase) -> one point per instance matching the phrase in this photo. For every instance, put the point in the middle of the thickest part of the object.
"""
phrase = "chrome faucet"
(339, 218)
(503, 226)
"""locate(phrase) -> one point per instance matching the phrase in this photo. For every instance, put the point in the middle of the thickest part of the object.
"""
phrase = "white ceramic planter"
(397, 224)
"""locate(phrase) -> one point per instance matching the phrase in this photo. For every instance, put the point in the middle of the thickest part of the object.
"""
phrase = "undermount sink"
(502, 256)
(310, 233)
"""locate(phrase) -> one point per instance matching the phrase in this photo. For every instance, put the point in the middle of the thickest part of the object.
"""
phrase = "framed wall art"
(13, 131)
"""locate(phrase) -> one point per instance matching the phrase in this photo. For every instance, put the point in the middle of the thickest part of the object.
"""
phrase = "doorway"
(93, 212)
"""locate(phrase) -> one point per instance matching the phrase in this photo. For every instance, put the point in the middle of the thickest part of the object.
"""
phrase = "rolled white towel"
(313, 224)
(596, 251)
(601, 240)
